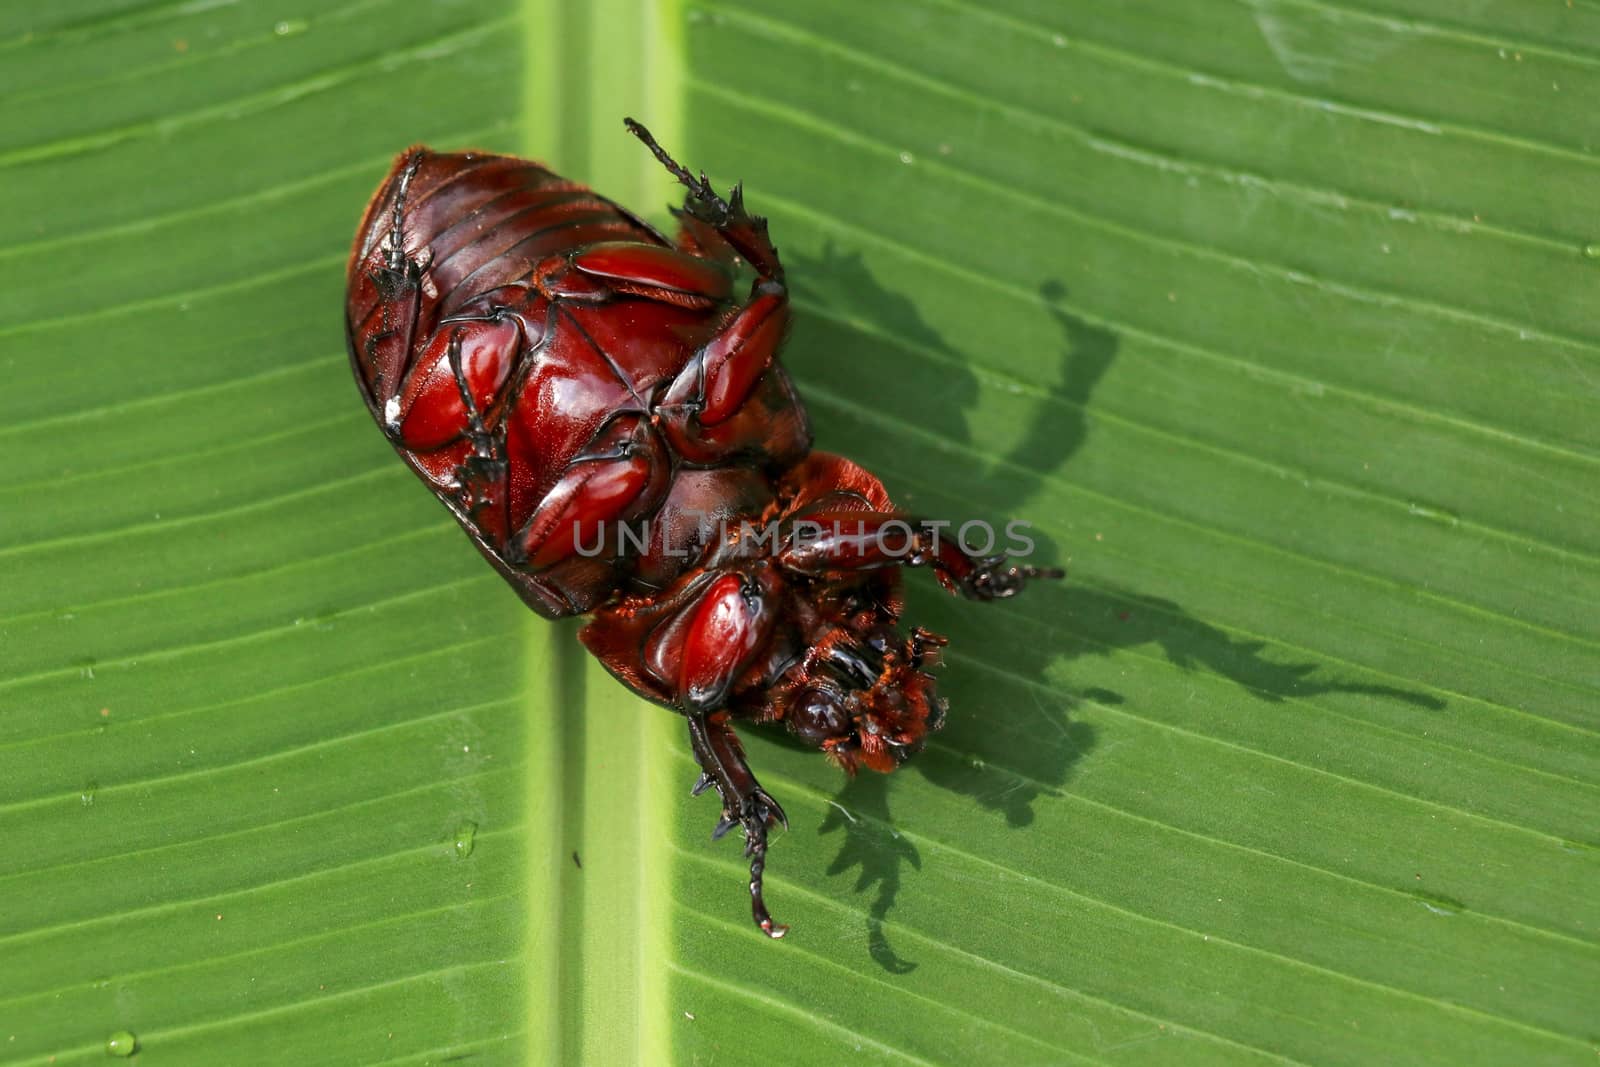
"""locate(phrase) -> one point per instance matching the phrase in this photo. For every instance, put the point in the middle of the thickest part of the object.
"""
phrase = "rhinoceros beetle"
(609, 422)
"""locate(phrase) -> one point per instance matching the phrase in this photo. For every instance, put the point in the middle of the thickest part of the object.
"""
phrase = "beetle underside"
(613, 428)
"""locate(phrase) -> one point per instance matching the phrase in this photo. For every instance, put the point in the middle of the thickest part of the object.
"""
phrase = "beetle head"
(867, 698)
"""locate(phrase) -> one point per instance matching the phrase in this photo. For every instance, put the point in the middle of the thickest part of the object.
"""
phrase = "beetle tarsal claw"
(994, 580)
(704, 204)
(769, 811)
(756, 849)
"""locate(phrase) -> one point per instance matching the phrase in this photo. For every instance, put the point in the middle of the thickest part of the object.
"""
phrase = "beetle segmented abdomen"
(475, 222)
(512, 251)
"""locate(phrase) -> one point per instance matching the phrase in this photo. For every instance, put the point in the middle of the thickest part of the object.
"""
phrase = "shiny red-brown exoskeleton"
(609, 422)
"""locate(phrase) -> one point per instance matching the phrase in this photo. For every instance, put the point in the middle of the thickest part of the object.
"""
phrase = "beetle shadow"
(1034, 742)
(1110, 618)
(847, 320)
(1048, 443)
(861, 810)
(1007, 765)
(1018, 744)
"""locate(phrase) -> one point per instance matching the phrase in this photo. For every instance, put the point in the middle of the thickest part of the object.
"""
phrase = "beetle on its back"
(610, 424)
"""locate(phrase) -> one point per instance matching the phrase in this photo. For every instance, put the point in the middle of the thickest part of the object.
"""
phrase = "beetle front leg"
(727, 630)
(744, 803)
(841, 541)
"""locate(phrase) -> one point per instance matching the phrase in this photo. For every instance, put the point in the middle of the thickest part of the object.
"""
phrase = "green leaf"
(1272, 318)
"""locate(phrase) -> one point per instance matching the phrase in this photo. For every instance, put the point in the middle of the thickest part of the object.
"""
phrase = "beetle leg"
(714, 385)
(398, 279)
(444, 414)
(455, 381)
(744, 803)
(834, 541)
(483, 473)
(745, 233)
(616, 476)
(668, 275)
(731, 625)
(731, 369)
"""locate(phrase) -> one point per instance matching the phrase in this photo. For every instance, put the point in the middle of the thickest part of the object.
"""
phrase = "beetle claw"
(760, 811)
(993, 580)
(702, 785)
(745, 804)
(755, 847)
(705, 205)
(769, 810)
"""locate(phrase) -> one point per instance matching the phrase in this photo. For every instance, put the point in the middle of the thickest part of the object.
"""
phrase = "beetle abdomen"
(479, 222)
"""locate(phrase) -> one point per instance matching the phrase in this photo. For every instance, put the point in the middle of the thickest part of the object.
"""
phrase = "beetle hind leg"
(397, 277)
(482, 474)
(732, 397)
(744, 803)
